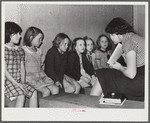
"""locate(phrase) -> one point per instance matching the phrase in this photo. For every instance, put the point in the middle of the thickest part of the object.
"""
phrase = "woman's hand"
(58, 84)
(116, 65)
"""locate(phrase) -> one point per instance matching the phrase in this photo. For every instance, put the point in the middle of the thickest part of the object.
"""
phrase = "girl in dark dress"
(130, 79)
(78, 66)
(56, 64)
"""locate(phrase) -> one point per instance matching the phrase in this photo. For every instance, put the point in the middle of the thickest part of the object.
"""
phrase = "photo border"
(77, 116)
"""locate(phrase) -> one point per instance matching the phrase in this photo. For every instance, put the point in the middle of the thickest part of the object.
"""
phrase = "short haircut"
(118, 26)
(98, 42)
(11, 28)
(59, 38)
(88, 38)
(30, 34)
(75, 42)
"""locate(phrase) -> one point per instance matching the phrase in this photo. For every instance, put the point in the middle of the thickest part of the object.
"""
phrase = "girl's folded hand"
(23, 88)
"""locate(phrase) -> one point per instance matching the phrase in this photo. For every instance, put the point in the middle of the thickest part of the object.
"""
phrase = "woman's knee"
(96, 90)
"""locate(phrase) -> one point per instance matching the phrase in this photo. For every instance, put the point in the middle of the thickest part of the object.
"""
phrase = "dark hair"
(88, 38)
(118, 26)
(58, 39)
(75, 42)
(30, 34)
(11, 28)
(98, 44)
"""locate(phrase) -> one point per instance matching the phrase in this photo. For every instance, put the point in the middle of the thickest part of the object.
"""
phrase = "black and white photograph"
(74, 61)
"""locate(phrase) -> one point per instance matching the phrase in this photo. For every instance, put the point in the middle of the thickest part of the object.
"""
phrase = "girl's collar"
(89, 53)
(60, 51)
(8, 46)
(78, 52)
(28, 50)
(102, 51)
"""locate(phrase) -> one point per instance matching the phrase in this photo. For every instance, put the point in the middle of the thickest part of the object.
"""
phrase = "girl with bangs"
(56, 64)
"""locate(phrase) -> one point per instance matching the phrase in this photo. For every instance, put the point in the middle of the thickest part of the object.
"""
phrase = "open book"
(116, 54)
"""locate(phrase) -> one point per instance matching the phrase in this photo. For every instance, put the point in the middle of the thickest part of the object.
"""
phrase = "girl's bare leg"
(53, 89)
(20, 101)
(45, 91)
(69, 88)
(77, 86)
(33, 100)
(71, 82)
(96, 90)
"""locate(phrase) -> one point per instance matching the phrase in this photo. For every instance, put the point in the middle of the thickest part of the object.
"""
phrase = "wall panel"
(74, 20)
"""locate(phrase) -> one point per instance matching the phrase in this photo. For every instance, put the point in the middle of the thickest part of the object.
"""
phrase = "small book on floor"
(113, 99)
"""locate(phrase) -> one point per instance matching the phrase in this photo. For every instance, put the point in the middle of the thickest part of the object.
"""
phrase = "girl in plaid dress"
(33, 60)
(15, 84)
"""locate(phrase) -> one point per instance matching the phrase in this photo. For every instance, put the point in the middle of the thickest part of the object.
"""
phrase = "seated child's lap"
(85, 79)
(68, 81)
(84, 84)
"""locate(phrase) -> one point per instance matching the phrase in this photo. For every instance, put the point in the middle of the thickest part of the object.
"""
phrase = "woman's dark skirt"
(113, 80)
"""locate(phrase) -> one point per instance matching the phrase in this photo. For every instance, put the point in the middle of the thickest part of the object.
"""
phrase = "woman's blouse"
(132, 41)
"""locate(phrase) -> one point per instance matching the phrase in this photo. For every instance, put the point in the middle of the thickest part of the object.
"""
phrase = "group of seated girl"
(71, 65)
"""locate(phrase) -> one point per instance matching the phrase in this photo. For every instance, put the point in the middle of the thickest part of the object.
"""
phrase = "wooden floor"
(83, 101)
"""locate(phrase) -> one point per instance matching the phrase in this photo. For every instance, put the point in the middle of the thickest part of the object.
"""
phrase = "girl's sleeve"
(6, 54)
(42, 57)
(22, 54)
(50, 66)
(71, 70)
(88, 67)
(97, 55)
